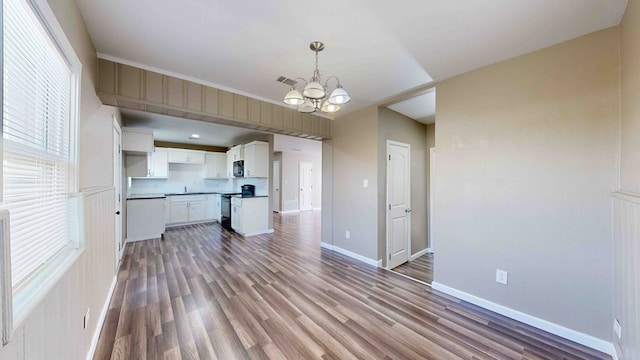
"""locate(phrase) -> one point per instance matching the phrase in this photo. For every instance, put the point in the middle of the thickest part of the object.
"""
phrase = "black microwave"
(238, 168)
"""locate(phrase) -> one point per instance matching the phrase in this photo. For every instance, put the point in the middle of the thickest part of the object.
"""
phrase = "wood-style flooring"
(420, 269)
(206, 293)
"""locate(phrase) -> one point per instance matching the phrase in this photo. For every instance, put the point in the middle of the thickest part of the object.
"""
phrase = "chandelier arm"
(326, 83)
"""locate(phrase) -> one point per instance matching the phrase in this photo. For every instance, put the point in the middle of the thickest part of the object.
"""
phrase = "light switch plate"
(501, 277)
(365, 183)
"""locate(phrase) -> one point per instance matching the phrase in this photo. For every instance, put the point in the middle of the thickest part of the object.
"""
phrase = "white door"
(306, 186)
(117, 184)
(398, 203)
(276, 186)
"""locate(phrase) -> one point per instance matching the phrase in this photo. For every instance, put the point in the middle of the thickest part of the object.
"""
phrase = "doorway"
(117, 184)
(398, 203)
(306, 186)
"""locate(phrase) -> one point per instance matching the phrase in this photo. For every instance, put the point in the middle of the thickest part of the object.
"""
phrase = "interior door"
(398, 203)
(117, 183)
(306, 186)
(276, 186)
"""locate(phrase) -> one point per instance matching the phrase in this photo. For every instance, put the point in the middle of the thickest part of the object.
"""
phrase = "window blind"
(38, 141)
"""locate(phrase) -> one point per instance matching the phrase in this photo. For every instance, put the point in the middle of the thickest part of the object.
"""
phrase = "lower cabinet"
(250, 216)
(186, 209)
(145, 219)
(210, 204)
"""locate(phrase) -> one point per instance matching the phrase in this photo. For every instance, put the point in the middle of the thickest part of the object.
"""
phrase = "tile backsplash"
(191, 176)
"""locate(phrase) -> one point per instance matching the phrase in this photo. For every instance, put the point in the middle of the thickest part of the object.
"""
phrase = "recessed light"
(194, 136)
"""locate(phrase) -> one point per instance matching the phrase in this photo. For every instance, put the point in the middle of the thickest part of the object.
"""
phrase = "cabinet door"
(261, 160)
(209, 207)
(218, 210)
(211, 163)
(236, 218)
(158, 163)
(196, 211)
(179, 212)
(249, 160)
(229, 171)
(222, 165)
(177, 156)
(193, 157)
(167, 211)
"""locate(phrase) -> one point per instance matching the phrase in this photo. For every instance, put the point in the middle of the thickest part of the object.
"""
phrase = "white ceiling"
(421, 107)
(377, 48)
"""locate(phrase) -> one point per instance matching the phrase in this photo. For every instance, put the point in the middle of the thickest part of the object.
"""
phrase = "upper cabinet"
(180, 156)
(256, 159)
(216, 165)
(234, 154)
(152, 165)
(157, 163)
(137, 140)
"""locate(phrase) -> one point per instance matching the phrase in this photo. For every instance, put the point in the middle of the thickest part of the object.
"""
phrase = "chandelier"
(314, 94)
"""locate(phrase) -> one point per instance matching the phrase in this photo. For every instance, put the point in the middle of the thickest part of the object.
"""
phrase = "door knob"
(407, 210)
(117, 212)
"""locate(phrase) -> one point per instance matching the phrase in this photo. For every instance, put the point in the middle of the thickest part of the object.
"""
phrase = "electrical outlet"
(347, 234)
(617, 328)
(86, 318)
(501, 276)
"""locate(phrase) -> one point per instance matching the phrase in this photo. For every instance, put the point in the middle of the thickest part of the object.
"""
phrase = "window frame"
(16, 305)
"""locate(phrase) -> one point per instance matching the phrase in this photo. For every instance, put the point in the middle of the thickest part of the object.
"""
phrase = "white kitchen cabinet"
(217, 215)
(145, 219)
(137, 141)
(234, 154)
(157, 163)
(256, 159)
(187, 209)
(210, 207)
(216, 165)
(236, 218)
(250, 216)
(167, 210)
(182, 156)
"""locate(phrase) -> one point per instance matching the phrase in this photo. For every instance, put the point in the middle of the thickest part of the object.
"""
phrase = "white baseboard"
(103, 315)
(419, 253)
(269, 231)
(290, 211)
(559, 330)
(366, 260)
(429, 251)
(316, 209)
(142, 238)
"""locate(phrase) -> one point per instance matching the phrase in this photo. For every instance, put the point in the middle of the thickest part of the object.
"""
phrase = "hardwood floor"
(206, 293)
(419, 269)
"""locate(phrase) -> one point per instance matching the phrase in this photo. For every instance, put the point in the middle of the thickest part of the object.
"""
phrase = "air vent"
(286, 80)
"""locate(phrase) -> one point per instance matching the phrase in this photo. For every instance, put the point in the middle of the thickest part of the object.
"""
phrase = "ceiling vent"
(286, 80)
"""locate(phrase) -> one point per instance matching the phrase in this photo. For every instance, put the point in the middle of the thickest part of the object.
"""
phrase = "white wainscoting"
(626, 253)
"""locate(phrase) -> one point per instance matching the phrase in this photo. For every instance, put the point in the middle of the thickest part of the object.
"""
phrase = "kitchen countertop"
(249, 197)
(158, 195)
(145, 196)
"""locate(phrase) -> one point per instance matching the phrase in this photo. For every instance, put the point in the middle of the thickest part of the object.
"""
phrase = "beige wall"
(290, 179)
(397, 127)
(54, 330)
(526, 159)
(626, 211)
(349, 158)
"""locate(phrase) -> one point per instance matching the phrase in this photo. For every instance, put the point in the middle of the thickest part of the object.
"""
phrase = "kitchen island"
(250, 214)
